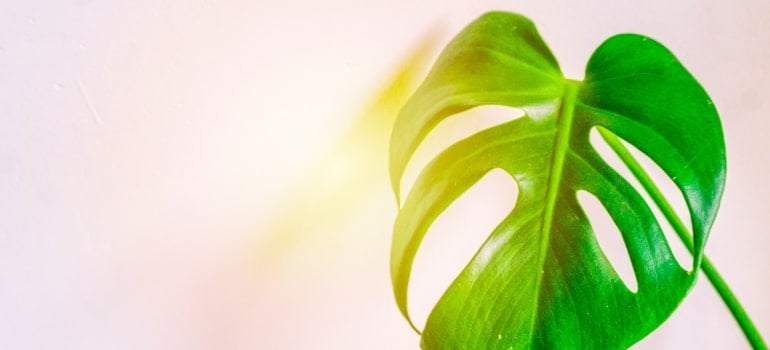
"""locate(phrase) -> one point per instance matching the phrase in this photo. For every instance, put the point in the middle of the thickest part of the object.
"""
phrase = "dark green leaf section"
(541, 280)
(637, 89)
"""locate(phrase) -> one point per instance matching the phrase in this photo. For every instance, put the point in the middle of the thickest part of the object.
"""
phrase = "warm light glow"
(213, 175)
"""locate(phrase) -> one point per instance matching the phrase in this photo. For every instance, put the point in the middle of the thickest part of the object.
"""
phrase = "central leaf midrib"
(561, 145)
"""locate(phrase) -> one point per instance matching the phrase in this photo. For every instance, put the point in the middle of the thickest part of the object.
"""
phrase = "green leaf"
(541, 280)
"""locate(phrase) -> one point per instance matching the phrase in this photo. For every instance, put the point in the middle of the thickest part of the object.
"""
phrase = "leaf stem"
(728, 297)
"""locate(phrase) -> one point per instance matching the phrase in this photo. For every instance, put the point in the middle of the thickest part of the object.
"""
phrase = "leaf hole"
(609, 237)
(663, 182)
(455, 237)
(452, 130)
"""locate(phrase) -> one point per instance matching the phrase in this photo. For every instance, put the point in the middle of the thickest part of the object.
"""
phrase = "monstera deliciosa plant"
(541, 280)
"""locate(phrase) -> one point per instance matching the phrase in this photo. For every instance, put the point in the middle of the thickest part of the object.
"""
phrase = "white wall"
(147, 148)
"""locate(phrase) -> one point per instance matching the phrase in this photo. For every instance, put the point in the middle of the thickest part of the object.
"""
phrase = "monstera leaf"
(541, 280)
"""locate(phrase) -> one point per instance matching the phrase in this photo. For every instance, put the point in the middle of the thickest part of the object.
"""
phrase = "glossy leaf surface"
(541, 280)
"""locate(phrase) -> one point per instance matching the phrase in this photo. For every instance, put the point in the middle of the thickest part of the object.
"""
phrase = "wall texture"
(152, 152)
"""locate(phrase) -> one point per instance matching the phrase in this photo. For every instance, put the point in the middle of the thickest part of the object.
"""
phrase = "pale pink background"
(147, 147)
